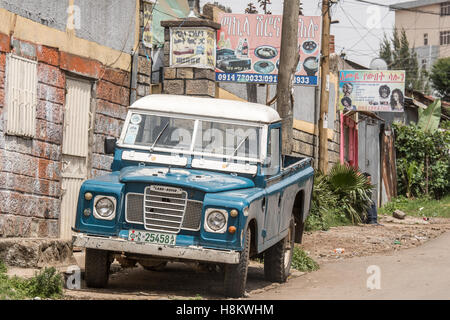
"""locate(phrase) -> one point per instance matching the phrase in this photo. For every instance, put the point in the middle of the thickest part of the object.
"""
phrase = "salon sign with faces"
(372, 90)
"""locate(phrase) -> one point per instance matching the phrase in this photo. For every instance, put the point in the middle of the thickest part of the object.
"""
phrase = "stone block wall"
(144, 68)
(30, 169)
(307, 144)
(187, 81)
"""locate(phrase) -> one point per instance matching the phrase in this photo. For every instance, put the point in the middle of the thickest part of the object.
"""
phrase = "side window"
(273, 152)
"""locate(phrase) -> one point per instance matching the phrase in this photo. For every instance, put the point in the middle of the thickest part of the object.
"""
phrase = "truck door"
(274, 188)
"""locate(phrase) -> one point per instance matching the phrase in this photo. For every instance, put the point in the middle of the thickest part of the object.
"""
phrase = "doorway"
(77, 125)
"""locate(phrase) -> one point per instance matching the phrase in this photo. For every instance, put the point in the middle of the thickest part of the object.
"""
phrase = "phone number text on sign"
(262, 78)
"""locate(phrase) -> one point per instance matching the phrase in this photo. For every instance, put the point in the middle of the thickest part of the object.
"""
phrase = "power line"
(357, 30)
(368, 30)
(424, 28)
(397, 7)
(360, 53)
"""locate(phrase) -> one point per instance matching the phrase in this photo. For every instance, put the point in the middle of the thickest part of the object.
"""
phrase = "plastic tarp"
(166, 10)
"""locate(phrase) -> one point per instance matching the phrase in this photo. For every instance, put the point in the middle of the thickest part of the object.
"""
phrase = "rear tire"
(236, 274)
(278, 258)
(97, 267)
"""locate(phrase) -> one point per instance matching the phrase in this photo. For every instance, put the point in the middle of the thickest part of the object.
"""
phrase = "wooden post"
(289, 57)
(324, 91)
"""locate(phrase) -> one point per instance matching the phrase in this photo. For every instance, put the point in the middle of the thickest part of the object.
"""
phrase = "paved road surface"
(418, 273)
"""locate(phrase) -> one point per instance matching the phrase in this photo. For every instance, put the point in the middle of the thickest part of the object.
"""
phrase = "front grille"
(164, 208)
(163, 215)
(135, 208)
(193, 215)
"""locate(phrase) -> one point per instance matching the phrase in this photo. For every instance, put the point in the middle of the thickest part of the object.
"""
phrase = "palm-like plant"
(353, 190)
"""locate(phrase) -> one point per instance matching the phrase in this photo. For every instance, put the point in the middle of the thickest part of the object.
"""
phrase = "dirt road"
(342, 275)
(417, 273)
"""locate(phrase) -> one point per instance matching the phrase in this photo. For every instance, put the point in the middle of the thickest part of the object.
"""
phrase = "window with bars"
(445, 8)
(445, 37)
(21, 91)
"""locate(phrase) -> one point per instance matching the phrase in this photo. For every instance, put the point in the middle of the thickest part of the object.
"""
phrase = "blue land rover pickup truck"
(196, 179)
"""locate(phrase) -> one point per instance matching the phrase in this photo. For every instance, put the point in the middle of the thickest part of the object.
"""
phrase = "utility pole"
(289, 57)
(324, 90)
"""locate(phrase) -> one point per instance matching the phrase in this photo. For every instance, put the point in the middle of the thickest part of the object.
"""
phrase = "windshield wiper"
(240, 144)
(159, 136)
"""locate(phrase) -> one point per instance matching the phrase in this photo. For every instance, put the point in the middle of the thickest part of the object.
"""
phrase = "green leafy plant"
(353, 191)
(46, 284)
(422, 207)
(340, 198)
(3, 268)
(445, 125)
(323, 204)
(302, 262)
(430, 117)
(422, 161)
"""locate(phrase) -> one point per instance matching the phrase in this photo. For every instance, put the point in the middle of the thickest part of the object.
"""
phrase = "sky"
(360, 29)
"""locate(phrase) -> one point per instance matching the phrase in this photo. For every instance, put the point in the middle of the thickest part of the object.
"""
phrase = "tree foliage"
(440, 76)
(251, 8)
(222, 7)
(264, 5)
(398, 56)
(423, 159)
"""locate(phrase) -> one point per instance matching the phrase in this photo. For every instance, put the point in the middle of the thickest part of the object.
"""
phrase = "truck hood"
(205, 181)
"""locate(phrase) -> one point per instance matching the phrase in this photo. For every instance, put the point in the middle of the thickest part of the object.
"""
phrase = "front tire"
(278, 258)
(97, 267)
(236, 274)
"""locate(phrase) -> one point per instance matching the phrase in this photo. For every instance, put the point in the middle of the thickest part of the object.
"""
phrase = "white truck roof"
(207, 107)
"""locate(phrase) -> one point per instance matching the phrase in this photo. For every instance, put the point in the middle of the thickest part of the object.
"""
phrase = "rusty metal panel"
(77, 118)
(21, 93)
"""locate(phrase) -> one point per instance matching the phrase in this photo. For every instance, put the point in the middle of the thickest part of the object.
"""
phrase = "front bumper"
(172, 252)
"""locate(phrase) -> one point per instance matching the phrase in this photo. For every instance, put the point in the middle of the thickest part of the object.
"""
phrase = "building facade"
(427, 27)
(68, 69)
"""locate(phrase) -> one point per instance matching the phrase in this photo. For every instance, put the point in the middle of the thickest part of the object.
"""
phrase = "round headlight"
(216, 220)
(104, 207)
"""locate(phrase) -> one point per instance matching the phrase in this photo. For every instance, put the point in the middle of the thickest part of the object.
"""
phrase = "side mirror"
(110, 145)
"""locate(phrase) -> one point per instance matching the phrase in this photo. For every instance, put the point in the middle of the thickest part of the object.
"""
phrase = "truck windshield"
(216, 139)
(227, 139)
(158, 131)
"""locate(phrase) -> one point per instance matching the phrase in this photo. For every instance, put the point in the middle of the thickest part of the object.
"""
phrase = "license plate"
(151, 237)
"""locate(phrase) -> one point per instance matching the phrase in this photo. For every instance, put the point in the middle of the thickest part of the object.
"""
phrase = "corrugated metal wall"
(76, 118)
(71, 189)
(21, 95)
(77, 122)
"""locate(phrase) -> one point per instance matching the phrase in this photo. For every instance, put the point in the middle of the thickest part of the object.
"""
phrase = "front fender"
(103, 186)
